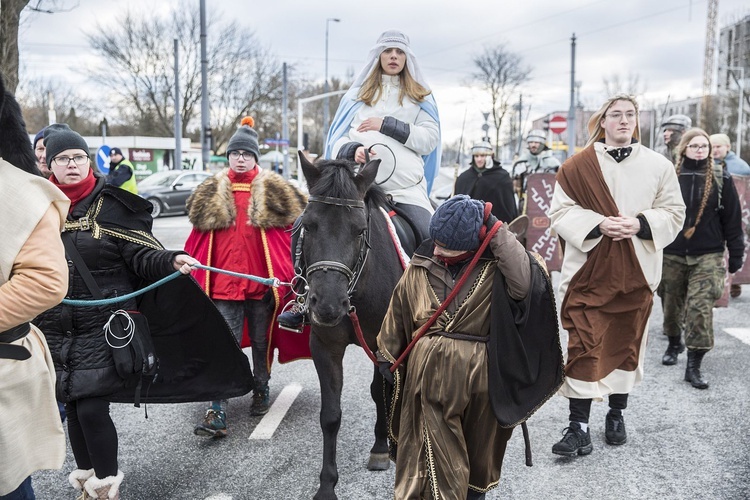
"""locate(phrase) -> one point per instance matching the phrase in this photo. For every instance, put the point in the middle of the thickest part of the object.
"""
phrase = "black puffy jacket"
(719, 226)
(119, 264)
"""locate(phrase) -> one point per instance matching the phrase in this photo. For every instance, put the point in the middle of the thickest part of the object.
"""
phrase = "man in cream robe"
(616, 205)
(33, 278)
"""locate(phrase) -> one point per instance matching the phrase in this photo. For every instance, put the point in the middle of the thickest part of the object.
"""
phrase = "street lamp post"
(741, 85)
(325, 84)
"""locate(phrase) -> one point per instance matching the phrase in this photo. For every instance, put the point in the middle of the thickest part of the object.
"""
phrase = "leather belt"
(10, 351)
(463, 336)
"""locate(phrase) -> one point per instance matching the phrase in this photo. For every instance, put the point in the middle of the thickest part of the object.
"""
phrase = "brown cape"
(608, 302)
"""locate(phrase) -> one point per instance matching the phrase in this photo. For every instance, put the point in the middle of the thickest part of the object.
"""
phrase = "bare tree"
(10, 16)
(500, 72)
(245, 78)
(10, 20)
(70, 107)
(617, 84)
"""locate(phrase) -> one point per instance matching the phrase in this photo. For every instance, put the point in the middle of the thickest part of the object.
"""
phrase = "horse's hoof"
(325, 496)
(378, 461)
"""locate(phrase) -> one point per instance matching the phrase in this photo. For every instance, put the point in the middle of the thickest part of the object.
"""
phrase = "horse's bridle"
(352, 275)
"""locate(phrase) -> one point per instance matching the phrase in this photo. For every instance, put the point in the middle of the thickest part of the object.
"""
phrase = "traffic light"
(545, 124)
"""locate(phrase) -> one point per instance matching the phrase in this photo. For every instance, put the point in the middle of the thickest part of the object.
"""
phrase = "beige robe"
(448, 437)
(33, 278)
(644, 183)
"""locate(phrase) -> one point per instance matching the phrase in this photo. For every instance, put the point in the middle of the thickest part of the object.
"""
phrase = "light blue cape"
(342, 122)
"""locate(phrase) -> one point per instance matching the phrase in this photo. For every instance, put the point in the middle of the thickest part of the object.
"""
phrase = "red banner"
(539, 237)
(741, 277)
(742, 183)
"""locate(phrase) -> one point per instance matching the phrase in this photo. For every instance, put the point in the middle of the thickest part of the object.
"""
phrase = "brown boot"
(104, 489)
(735, 290)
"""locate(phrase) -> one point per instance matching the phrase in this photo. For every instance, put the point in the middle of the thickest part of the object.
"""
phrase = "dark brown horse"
(350, 262)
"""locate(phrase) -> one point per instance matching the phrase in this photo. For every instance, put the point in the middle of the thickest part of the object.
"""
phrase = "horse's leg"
(328, 364)
(379, 459)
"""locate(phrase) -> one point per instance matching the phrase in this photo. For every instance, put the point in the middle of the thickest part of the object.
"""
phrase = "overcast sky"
(660, 41)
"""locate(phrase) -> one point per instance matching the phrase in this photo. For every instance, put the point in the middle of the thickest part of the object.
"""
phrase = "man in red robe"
(241, 221)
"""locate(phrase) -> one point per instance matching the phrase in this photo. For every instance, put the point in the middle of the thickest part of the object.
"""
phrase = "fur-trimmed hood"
(274, 202)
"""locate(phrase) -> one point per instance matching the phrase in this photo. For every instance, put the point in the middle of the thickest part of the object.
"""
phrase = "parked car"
(168, 191)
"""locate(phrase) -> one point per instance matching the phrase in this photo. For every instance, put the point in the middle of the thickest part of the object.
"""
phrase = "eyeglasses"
(630, 115)
(696, 147)
(64, 161)
(244, 154)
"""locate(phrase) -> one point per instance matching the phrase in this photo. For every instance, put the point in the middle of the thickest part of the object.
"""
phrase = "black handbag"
(129, 336)
(126, 332)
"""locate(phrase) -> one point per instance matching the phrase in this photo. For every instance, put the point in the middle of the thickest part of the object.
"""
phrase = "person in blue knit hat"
(449, 440)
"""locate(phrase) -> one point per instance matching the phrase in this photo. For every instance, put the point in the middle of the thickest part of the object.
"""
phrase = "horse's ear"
(310, 171)
(366, 176)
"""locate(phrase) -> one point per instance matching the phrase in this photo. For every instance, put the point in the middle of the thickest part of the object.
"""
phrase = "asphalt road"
(683, 443)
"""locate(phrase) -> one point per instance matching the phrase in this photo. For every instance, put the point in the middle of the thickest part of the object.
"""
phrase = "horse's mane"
(337, 181)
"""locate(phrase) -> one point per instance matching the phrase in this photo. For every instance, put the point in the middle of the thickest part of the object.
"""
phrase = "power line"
(463, 69)
(519, 26)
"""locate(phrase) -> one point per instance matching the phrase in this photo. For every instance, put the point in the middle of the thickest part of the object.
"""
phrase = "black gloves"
(735, 264)
(385, 370)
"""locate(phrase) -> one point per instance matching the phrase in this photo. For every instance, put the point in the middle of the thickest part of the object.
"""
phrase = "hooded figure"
(450, 444)
(487, 180)
(390, 111)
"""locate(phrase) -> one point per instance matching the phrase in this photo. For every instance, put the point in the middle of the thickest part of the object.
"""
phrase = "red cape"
(276, 243)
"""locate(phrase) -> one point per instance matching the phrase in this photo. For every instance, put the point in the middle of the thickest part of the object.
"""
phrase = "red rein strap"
(450, 297)
(360, 336)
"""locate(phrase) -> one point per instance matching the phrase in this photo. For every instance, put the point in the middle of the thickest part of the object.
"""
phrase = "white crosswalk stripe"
(272, 419)
(743, 334)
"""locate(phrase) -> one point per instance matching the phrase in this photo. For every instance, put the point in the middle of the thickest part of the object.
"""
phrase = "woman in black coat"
(111, 230)
(693, 271)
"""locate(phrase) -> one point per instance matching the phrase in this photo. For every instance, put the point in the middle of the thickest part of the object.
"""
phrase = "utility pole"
(520, 123)
(177, 157)
(572, 110)
(325, 85)
(285, 120)
(205, 132)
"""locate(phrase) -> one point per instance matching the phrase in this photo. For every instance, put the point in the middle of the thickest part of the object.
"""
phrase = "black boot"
(675, 347)
(475, 495)
(693, 371)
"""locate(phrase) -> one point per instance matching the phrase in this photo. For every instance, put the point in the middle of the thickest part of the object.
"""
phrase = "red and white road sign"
(558, 124)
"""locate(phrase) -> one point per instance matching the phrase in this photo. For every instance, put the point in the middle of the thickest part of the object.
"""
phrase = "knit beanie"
(59, 137)
(455, 225)
(39, 135)
(246, 138)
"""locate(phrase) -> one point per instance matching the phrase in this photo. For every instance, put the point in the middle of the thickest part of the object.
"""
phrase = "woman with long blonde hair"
(390, 112)
(693, 270)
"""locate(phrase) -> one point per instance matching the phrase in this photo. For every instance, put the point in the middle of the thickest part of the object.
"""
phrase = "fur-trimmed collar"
(274, 202)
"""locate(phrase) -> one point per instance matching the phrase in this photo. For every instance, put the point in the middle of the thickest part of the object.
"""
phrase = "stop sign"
(558, 124)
